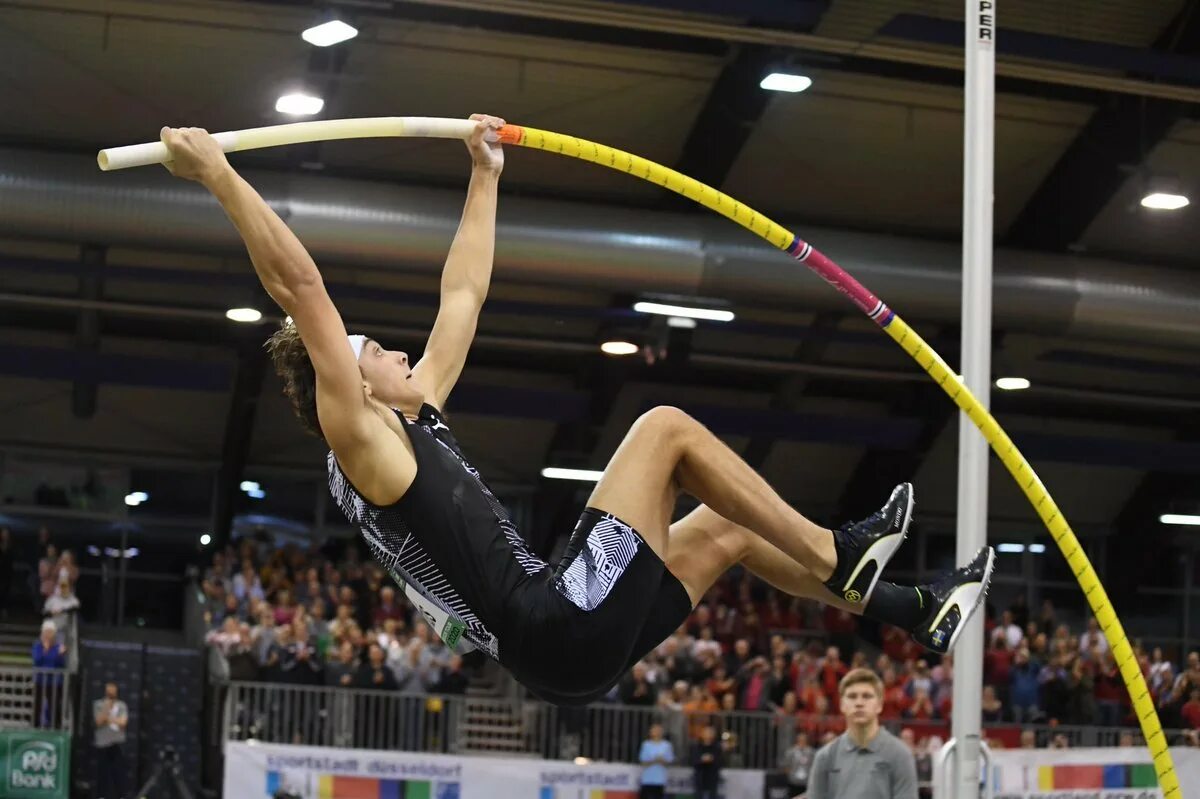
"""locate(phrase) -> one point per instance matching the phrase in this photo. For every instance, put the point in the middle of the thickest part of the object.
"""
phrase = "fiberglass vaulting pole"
(975, 362)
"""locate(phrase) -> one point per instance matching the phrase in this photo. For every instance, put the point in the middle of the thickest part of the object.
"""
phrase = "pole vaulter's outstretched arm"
(468, 270)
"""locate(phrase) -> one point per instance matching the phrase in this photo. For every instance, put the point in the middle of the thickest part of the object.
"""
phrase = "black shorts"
(573, 631)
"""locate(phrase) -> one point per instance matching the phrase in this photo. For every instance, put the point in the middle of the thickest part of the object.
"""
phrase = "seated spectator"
(47, 572)
(720, 684)
(830, 673)
(698, 709)
(1191, 711)
(705, 645)
(991, 706)
(636, 689)
(243, 665)
(226, 637)
(921, 708)
(342, 670)
(374, 673)
(452, 680)
(1110, 691)
(246, 585)
(61, 603)
(1092, 638)
(1023, 688)
(1007, 629)
(388, 607)
(895, 698)
(285, 609)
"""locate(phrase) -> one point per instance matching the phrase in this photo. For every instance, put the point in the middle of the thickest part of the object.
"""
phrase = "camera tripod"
(168, 764)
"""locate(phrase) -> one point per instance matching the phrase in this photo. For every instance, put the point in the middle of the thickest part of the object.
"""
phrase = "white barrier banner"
(264, 771)
(1085, 773)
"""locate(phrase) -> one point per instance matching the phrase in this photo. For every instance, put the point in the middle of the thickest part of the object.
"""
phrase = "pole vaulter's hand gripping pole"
(868, 303)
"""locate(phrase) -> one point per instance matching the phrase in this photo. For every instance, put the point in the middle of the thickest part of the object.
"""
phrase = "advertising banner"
(1085, 773)
(36, 764)
(267, 771)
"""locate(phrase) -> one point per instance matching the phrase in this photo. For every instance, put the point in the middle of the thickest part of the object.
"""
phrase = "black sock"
(838, 577)
(902, 605)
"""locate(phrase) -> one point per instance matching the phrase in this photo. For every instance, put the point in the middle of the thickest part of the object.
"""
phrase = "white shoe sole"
(969, 596)
(879, 553)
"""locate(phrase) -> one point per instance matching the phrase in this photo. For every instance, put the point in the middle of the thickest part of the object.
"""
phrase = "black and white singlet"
(568, 633)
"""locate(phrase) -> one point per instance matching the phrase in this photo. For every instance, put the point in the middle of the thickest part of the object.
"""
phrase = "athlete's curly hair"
(292, 363)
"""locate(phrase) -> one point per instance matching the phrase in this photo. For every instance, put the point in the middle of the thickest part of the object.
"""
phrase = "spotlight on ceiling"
(1164, 201)
(243, 315)
(299, 104)
(331, 32)
(1180, 518)
(683, 311)
(135, 498)
(785, 82)
(583, 475)
(1012, 383)
(618, 348)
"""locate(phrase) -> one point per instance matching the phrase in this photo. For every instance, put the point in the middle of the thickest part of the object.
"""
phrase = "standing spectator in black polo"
(706, 764)
(111, 716)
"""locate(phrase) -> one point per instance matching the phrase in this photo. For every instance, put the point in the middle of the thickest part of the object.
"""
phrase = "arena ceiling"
(1096, 100)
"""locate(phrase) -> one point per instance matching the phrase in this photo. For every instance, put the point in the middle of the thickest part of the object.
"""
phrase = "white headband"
(356, 344)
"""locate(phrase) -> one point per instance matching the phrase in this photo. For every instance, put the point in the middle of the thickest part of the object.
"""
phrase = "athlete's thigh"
(638, 484)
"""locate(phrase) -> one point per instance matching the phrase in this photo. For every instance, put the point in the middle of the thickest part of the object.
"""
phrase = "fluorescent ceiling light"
(205, 540)
(585, 475)
(249, 485)
(136, 498)
(681, 322)
(662, 309)
(329, 33)
(1162, 201)
(243, 314)
(300, 105)
(1012, 548)
(1012, 383)
(618, 348)
(785, 82)
(1037, 549)
(256, 493)
(1180, 518)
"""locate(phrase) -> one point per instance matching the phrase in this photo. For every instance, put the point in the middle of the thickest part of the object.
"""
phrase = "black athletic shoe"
(952, 600)
(864, 548)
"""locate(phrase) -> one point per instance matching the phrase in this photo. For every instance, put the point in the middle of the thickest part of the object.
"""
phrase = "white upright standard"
(976, 363)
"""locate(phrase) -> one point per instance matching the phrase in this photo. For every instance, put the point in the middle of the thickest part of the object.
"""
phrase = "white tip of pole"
(131, 156)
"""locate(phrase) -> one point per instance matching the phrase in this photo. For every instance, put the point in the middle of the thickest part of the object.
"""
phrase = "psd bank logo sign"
(34, 767)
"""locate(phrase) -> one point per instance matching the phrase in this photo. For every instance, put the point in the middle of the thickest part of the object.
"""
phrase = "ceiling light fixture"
(785, 82)
(1164, 201)
(583, 475)
(205, 540)
(1180, 518)
(663, 309)
(328, 33)
(135, 498)
(299, 104)
(618, 348)
(243, 315)
(1012, 383)
(249, 485)
(1010, 548)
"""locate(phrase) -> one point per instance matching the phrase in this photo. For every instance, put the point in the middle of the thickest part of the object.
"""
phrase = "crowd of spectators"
(303, 618)
(319, 617)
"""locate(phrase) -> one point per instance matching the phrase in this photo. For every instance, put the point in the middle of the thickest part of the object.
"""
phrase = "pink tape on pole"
(841, 280)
